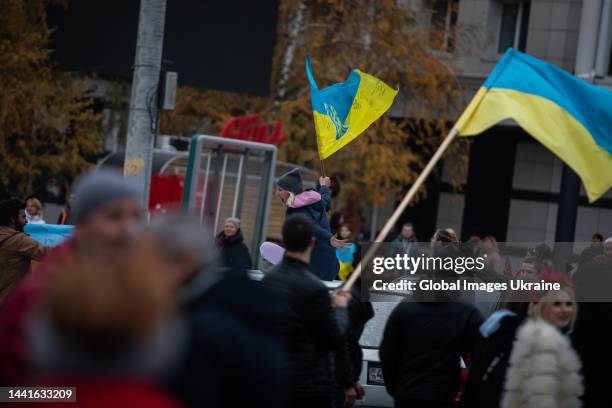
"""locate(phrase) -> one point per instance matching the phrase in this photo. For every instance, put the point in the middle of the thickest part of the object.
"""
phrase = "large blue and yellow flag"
(345, 110)
(569, 116)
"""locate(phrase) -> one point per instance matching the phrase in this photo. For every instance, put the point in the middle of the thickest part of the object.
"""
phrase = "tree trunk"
(294, 28)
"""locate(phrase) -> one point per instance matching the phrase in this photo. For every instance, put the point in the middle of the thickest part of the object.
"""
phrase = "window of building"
(443, 24)
(513, 26)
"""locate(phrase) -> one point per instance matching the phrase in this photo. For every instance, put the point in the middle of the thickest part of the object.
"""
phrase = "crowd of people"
(164, 314)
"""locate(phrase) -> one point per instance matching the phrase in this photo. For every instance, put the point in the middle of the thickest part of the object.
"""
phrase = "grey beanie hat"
(96, 189)
(291, 181)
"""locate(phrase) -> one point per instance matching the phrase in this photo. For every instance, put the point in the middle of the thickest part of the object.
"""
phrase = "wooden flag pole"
(322, 167)
(400, 209)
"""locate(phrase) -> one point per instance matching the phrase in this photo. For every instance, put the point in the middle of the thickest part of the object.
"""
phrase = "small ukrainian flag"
(345, 110)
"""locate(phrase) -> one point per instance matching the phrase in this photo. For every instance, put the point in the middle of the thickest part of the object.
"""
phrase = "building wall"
(551, 33)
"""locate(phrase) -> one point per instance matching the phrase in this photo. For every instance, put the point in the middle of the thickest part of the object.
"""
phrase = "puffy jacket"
(234, 253)
(421, 347)
(544, 370)
(323, 262)
(309, 328)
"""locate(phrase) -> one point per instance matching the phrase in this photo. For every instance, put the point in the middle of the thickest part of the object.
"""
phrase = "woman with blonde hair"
(557, 307)
(544, 368)
(34, 213)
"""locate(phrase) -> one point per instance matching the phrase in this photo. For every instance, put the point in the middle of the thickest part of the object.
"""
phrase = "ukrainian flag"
(570, 117)
(345, 110)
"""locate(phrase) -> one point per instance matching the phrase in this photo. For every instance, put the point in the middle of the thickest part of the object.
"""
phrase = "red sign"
(249, 127)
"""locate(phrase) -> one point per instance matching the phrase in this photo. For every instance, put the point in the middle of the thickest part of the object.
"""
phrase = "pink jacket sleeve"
(306, 198)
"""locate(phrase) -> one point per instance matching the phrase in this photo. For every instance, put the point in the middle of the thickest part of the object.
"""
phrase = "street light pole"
(143, 113)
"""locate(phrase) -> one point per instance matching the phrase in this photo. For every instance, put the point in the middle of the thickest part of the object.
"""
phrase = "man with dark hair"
(596, 248)
(17, 250)
(313, 324)
(406, 242)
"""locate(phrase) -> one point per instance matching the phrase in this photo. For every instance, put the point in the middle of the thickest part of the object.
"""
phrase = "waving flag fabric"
(569, 116)
(345, 110)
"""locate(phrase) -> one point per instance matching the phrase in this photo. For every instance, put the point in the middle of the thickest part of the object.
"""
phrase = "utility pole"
(142, 119)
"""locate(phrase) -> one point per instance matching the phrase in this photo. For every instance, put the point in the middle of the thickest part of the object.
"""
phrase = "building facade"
(514, 182)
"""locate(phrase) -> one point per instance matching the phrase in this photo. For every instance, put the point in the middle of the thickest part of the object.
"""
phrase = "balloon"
(272, 252)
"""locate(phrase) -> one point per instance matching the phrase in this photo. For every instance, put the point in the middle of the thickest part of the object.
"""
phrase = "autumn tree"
(387, 40)
(47, 124)
(383, 38)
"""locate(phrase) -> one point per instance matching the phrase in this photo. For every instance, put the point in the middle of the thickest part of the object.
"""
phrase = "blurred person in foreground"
(108, 329)
(314, 323)
(107, 214)
(423, 342)
(592, 332)
(544, 370)
(232, 353)
(289, 187)
(17, 249)
(234, 253)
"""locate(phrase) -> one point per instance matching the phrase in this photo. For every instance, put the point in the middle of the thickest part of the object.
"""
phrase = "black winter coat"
(592, 332)
(349, 359)
(234, 253)
(421, 347)
(323, 261)
(233, 352)
(309, 329)
(487, 375)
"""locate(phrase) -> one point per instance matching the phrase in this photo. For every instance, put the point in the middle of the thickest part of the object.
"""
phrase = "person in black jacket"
(323, 262)
(314, 324)
(232, 351)
(234, 253)
(485, 383)
(421, 349)
(592, 332)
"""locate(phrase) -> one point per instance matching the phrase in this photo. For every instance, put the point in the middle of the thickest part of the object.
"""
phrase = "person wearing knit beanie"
(291, 181)
(323, 262)
(107, 213)
(234, 252)
(95, 190)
